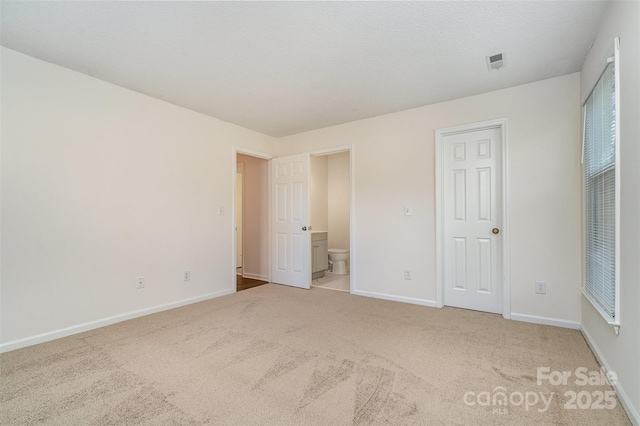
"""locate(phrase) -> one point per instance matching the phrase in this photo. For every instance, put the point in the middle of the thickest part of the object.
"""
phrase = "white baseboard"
(412, 300)
(57, 334)
(631, 411)
(546, 321)
(255, 276)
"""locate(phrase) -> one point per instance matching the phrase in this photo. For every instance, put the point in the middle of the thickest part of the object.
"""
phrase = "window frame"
(615, 319)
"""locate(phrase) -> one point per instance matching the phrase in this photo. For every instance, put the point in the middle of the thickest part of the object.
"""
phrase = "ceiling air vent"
(495, 61)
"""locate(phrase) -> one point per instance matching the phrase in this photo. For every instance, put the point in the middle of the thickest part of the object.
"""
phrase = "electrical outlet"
(541, 287)
(407, 274)
(221, 210)
(140, 282)
(186, 275)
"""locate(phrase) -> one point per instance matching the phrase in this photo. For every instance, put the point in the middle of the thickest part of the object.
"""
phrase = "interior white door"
(472, 220)
(290, 251)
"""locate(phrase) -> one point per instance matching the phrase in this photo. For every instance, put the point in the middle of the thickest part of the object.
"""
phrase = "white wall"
(621, 353)
(318, 193)
(256, 217)
(101, 185)
(338, 188)
(394, 165)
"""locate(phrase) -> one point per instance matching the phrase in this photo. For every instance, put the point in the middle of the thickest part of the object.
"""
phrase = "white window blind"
(600, 194)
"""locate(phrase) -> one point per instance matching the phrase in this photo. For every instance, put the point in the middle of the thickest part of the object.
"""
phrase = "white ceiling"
(282, 68)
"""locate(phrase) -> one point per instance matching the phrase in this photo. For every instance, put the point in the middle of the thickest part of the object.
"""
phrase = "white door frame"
(352, 229)
(440, 134)
(240, 150)
(239, 241)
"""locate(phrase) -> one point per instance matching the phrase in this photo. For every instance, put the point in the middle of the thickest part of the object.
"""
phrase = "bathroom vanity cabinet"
(319, 254)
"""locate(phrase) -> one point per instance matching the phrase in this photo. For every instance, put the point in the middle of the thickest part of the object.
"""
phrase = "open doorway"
(330, 213)
(251, 221)
(276, 250)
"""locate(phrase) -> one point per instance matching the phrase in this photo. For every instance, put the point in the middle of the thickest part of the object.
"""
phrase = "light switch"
(407, 210)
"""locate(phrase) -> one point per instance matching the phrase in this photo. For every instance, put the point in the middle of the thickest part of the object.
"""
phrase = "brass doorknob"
(495, 230)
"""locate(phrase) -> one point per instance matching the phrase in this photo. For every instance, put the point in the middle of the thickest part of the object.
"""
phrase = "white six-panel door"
(472, 220)
(290, 250)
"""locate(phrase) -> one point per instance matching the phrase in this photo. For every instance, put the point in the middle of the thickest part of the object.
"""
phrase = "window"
(601, 189)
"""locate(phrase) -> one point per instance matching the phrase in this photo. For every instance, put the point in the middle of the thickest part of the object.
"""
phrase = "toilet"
(337, 261)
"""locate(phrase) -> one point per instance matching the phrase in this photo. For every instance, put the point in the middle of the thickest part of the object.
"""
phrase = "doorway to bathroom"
(335, 164)
(330, 194)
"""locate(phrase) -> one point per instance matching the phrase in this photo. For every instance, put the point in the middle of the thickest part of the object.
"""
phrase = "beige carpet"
(275, 355)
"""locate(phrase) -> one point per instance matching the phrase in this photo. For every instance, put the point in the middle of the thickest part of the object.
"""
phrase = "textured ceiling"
(287, 67)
